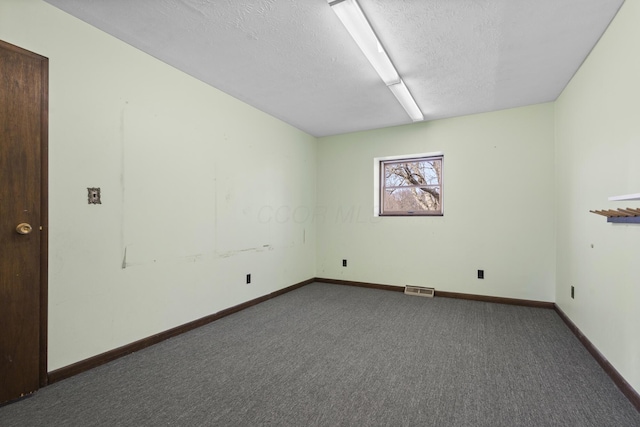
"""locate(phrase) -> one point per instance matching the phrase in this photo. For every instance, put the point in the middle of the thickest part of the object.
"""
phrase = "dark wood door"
(23, 142)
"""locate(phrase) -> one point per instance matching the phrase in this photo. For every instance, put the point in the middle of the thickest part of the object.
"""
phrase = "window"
(411, 186)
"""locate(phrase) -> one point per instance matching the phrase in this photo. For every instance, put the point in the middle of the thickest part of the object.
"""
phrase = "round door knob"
(24, 228)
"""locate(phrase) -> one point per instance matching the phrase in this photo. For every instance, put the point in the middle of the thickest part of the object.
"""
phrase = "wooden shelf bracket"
(624, 216)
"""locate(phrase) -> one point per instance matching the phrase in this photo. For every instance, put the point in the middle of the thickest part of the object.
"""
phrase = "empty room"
(292, 213)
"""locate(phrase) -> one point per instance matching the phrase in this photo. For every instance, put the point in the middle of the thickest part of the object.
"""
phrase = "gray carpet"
(329, 355)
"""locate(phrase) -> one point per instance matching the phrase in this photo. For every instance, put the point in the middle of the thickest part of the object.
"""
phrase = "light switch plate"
(94, 195)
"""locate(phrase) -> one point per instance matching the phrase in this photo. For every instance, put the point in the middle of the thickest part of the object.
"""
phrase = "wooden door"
(23, 191)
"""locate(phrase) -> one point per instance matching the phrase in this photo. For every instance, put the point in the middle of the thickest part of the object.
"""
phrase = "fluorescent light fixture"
(406, 100)
(358, 26)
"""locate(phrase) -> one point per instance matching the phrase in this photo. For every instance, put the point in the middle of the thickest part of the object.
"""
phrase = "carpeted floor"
(329, 355)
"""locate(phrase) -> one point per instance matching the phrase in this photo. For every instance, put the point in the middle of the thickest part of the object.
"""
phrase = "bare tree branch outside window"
(411, 186)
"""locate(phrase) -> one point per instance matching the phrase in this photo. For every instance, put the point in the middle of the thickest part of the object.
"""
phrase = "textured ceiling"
(294, 60)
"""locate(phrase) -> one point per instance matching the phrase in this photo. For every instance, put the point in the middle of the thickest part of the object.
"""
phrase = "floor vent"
(419, 291)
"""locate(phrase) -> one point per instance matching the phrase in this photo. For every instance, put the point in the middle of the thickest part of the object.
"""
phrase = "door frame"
(44, 206)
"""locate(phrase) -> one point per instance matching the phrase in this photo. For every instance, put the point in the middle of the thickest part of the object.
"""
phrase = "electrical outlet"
(344, 262)
(480, 274)
(572, 292)
(248, 278)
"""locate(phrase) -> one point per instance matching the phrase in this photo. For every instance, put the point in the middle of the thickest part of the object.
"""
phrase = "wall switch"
(94, 195)
(480, 274)
(344, 262)
(248, 278)
(572, 292)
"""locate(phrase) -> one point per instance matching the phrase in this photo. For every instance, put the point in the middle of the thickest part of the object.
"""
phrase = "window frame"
(379, 184)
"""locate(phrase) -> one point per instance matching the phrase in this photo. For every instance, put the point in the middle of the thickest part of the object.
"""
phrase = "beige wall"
(498, 207)
(598, 156)
(190, 180)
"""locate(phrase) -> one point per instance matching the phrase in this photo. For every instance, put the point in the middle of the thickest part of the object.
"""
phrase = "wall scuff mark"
(124, 259)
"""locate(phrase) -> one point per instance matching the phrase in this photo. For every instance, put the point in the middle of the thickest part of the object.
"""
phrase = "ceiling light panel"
(357, 24)
(406, 100)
